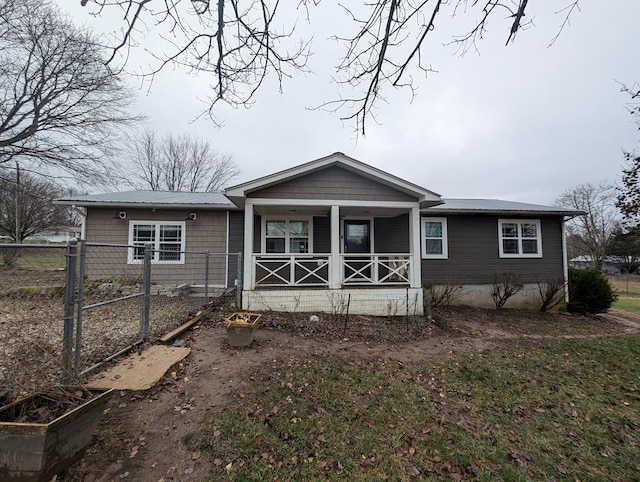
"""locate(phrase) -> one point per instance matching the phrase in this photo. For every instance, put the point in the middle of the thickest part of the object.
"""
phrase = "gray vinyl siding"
(474, 252)
(236, 245)
(207, 233)
(391, 235)
(321, 234)
(332, 183)
(236, 231)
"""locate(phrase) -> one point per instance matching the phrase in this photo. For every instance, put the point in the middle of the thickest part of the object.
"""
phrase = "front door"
(357, 240)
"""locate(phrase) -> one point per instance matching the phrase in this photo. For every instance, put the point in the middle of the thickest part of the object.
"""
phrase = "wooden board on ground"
(184, 327)
(139, 371)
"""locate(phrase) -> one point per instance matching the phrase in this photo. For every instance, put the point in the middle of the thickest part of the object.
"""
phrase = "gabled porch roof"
(424, 196)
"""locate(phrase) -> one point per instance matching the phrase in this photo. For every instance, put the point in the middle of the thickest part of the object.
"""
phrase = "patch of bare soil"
(140, 437)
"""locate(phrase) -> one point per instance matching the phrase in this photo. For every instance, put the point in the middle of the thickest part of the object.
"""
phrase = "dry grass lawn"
(625, 283)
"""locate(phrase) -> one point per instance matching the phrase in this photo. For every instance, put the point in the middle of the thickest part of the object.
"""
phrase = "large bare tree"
(628, 200)
(178, 163)
(240, 42)
(60, 103)
(591, 232)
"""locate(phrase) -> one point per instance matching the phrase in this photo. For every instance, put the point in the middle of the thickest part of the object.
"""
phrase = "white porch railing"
(270, 270)
(376, 269)
(290, 270)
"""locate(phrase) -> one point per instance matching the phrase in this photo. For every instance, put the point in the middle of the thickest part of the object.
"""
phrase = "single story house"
(609, 266)
(56, 234)
(333, 229)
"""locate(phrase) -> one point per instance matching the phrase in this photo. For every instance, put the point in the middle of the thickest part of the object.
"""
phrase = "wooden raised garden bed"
(32, 449)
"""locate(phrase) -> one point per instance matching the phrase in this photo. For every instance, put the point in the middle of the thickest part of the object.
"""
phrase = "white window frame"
(520, 238)
(287, 237)
(445, 240)
(156, 244)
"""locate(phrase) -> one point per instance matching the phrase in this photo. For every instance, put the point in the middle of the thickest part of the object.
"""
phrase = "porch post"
(414, 247)
(247, 282)
(335, 269)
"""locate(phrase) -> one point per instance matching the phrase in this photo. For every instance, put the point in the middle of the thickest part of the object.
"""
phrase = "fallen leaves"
(412, 471)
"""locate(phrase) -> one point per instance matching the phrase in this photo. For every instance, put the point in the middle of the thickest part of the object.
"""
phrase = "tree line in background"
(178, 163)
(609, 231)
(627, 239)
(628, 200)
(26, 208)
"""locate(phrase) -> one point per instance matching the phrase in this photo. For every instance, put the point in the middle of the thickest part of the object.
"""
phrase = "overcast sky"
(521, 123)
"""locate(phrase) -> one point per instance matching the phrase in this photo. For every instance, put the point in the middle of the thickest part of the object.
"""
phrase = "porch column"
(414, 247)
(247, 281)
(335, 268)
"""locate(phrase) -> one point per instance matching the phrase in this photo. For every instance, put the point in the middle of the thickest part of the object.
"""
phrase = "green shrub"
(589, 291)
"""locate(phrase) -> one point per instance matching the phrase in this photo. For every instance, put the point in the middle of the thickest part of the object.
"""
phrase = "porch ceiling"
(345, 211)
(292, 210)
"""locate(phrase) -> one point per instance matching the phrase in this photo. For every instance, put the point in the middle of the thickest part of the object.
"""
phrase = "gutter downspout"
(565, 263)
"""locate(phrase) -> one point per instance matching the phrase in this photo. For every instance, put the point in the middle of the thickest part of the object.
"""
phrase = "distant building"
(57, 234)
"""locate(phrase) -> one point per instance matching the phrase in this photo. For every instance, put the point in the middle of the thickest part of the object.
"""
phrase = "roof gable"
(333, 182)
(241, 191)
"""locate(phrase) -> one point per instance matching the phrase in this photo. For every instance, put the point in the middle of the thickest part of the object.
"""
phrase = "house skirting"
(362, 301)
(479, 296)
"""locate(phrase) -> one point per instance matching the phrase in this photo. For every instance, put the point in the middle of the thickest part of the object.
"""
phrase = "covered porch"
(311, 249)
(328, 229)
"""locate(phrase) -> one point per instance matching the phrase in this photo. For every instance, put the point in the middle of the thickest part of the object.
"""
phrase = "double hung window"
(434, 238)
(520, 238)
(287, 236)
(166, 238)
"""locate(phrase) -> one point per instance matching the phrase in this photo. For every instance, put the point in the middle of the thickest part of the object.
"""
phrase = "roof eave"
(504, 212)
(130, 205)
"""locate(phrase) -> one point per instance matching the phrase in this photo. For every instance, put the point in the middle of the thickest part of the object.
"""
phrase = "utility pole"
(17, 202)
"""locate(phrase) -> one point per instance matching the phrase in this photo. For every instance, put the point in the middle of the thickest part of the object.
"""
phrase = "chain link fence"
(66, 309)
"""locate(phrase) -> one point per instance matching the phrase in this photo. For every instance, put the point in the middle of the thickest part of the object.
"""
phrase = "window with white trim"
(434, 238)
(520, 238)
(167, 239)
(287, 236)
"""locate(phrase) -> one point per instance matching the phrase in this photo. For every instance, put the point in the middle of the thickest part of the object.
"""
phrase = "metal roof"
(217, 200)
(165, 199)
(496, 206)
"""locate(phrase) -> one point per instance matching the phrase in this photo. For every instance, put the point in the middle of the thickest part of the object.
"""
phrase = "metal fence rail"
(66, 309)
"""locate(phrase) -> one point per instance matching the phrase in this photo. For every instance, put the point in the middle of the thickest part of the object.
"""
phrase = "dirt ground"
(140, 437)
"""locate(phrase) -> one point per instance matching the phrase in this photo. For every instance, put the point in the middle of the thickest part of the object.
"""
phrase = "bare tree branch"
(594, 229)
(628, 198)
(31, 199)
(240, 46)
(59, 104)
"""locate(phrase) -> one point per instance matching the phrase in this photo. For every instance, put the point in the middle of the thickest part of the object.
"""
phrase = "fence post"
(146, 292)
(69, 299)
(239, 274)
(80, 301)
(206, 276)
